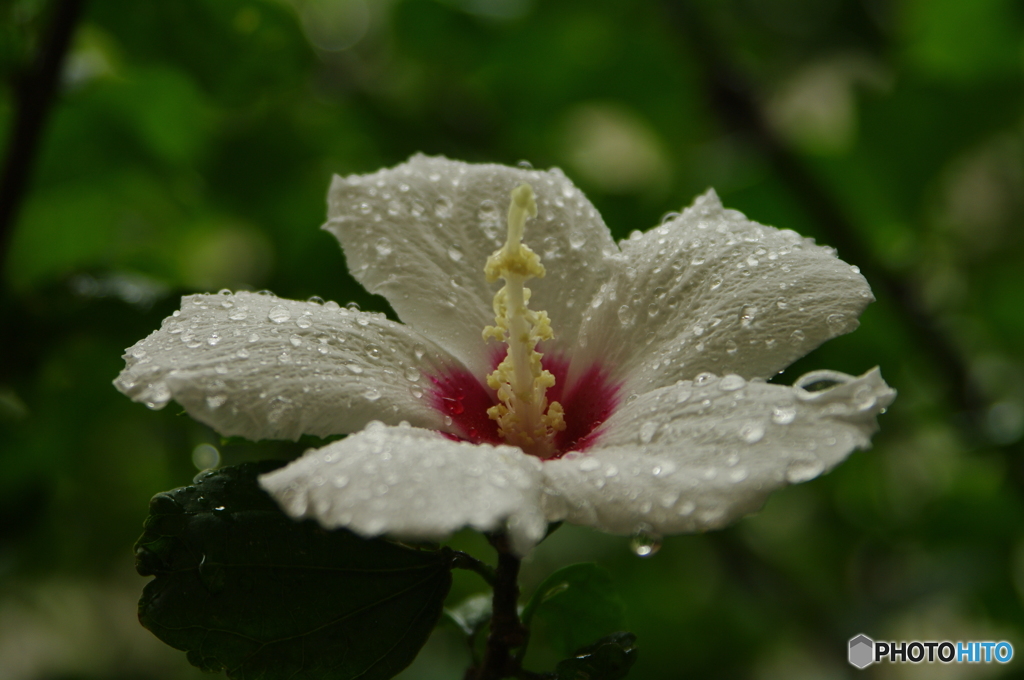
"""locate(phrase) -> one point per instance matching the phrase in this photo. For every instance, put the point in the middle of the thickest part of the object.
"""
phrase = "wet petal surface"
(420, 233)
(414, 484)
(698, 455)
(714, 291)
(262, 367)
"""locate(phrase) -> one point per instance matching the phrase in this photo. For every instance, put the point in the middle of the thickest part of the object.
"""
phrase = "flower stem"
(507, 631)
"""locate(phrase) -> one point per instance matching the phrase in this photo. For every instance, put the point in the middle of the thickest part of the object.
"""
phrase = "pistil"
(524, 417)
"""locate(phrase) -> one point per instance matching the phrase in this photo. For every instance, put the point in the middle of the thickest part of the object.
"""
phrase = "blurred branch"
(734, 101)
(34, 92)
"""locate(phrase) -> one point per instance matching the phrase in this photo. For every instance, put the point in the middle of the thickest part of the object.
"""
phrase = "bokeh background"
(189, 147)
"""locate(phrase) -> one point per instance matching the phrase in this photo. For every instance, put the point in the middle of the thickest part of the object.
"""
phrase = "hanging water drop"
(645, 543)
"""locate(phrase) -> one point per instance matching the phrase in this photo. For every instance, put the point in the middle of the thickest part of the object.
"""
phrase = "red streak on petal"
(459, 395)
(587, 403)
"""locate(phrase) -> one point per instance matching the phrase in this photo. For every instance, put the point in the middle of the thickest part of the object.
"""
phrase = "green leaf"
(578, 604)
(609, 658)
(244, 589)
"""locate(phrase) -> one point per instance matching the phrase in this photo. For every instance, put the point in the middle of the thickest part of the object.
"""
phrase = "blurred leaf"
(244, 589)
(578, 604)
(470, 614)
(609, 658)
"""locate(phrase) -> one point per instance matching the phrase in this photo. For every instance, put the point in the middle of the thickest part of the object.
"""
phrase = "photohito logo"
(863, 651)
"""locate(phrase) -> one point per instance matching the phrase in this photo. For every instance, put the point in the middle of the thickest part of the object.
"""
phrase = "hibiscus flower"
(619, 386)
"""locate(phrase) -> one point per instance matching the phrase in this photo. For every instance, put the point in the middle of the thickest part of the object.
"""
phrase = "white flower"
(651, 439)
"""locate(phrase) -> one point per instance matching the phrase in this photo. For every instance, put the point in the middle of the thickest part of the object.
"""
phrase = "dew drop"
(804, 470)
(304, 321)
(455, 253)
(836, 322)
(797, 337)
(279, 314)
(731, 383)
(647, 431)
(645, 543)
(239, 314)
(751, 432)
(783, 415)
(626, 315)
(215, 401)
(295, 340)
(748, 316)
(157, 395)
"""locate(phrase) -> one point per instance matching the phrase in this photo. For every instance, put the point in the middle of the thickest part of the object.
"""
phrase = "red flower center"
(587, 403)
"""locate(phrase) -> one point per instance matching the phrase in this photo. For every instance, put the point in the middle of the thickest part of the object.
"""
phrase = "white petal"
(413, 484)
(692, 457)
(262, 367)
(713, 291)
(420, 233)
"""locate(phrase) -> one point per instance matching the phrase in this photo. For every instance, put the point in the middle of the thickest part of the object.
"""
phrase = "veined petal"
(414, 484)
(420, 233)
(697, 455)
(714, 291)
(263, 367)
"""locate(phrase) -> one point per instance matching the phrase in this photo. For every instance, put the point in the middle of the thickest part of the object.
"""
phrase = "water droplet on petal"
(647, 431)
(239, 314)
(157, 395)
(279, 314)
(783, 415)
(215, 401)
(295, 340)
(836, 322)
(804, 470)
(731, 383)
(626, 315)
(751, 432)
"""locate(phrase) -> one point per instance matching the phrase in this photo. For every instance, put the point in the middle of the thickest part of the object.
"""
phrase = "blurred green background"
(190, 146)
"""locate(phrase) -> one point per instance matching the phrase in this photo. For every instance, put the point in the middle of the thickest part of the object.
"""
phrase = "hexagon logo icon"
(862, 651)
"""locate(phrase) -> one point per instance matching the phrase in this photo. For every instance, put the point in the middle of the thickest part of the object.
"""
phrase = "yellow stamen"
(524, 417)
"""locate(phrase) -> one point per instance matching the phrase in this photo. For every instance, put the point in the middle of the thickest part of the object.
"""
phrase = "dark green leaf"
(578, 604)
(244, 589)
(609, 658)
